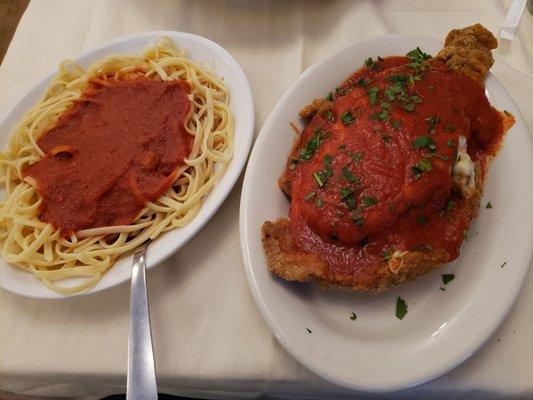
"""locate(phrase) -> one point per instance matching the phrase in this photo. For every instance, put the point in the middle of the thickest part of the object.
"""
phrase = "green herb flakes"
(357, 218)
(422, 219)
(349, 176)
(449, 128)
(450, 205)
(347, 118)
(447, 278)
(387, 254)
(356, 156)
(353, 317)
(488, 205)
(451, 143)
(316, 140)
(422, 142)
(309, 196)
(318, 179)
(368, 201)
(372, 95)
(370, 63)
(401, 308)
(319, 202)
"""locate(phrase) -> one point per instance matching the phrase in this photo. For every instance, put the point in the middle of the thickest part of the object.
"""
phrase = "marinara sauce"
(113, 151)
(372, 171)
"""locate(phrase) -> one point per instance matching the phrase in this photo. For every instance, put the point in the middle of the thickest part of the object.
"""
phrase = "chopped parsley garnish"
(349, 176)
(316, 140)
(329, 97)
(503, 265)
(322, 176)
(451, 143)
(447, 278)
(416, 57)
(353, 317)
(347, 118)
(381, 116)
(345, 192)
(368, 201)
(329, 115)
(318, 179)
(363, 82)
(449, 128)
(465, 235)
(422, 219)
(319, 202)
(422, 142)
(386, 138)
(396, 124)
(401, 308)
(309, 196)
(340, 91)
(293, 163)
(432, 121)
(390, 94)
(424, 165)
(488, 205)
(387, 254)
(409, 107)
(356, 156)
(309, 330)
(357, 218)
(450, 205)
(372, 95)
(370, 63)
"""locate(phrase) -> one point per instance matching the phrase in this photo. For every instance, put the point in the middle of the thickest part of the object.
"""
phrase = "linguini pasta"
(35, 246)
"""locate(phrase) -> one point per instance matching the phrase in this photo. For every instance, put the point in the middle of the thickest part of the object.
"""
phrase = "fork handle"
(141, 383)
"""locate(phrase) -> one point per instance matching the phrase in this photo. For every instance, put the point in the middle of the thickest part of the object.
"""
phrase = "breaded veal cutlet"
(467, 51)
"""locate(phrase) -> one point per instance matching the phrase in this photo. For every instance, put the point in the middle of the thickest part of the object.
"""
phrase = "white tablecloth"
(209, 337)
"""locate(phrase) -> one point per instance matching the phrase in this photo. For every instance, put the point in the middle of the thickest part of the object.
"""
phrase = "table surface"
(208, 335)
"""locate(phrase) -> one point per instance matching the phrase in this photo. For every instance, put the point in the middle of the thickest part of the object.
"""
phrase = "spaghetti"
(36, 246)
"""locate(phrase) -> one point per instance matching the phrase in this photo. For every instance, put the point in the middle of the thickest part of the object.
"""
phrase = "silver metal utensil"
(141, 367)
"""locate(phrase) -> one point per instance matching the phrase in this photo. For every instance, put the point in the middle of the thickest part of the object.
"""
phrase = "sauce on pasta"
(113, 151)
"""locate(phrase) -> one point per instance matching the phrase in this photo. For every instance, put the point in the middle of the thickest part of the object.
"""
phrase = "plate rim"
(246, 248)
(230, 175)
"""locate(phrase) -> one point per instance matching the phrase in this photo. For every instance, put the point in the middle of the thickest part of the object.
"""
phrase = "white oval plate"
(378, 352)
(211, 55)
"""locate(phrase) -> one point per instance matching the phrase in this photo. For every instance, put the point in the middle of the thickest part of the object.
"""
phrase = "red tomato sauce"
(372, 173)
(113, 151)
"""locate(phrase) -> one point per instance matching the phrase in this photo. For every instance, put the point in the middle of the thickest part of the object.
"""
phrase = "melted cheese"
(463, 171)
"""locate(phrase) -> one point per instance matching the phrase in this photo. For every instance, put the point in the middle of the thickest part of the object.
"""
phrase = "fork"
(141, 383)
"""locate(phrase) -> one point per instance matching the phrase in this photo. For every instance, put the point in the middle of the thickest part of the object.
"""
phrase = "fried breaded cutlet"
(467, 52)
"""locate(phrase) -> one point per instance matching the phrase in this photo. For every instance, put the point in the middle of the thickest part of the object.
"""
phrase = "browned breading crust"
(291, 264)
(309, 111)
(468, 51)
